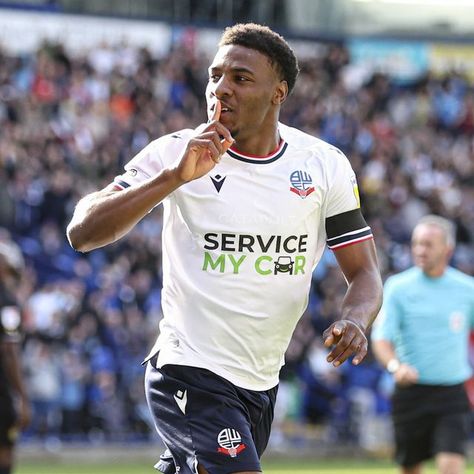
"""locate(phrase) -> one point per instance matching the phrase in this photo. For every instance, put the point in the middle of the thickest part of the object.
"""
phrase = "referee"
(422, 338)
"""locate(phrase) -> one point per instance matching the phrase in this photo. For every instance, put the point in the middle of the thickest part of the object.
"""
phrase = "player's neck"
(258, 144)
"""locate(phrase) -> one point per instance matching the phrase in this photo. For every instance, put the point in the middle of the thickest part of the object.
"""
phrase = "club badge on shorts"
(230, 442)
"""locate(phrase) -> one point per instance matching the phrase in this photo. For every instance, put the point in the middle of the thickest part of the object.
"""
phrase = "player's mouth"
(224, 108)
(226, 113)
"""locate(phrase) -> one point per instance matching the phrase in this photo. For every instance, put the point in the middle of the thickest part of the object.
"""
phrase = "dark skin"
(10, 358)
(361, 304)
(251, 93)
(11, 364)
(244, 96)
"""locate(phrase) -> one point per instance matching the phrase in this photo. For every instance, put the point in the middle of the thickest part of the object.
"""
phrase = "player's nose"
(222, 87)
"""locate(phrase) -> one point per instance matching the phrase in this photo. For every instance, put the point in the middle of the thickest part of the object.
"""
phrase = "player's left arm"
(350, 238)
(361, 303)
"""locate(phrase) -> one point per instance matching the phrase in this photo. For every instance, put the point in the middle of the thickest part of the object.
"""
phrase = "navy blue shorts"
(204, 419)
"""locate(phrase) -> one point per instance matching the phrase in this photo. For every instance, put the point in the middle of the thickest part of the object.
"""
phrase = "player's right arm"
(105, 216)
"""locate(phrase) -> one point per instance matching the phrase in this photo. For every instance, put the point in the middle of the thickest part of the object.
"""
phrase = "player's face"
(249, 89)
(430, 250)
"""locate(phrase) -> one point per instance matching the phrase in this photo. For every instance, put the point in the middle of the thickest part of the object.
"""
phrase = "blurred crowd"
(68, 124)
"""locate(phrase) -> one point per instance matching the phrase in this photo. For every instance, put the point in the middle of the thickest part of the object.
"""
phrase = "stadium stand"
(69, 122)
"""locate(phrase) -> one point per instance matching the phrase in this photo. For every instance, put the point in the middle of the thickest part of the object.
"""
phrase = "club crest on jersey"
(230, 442)
(301, 183)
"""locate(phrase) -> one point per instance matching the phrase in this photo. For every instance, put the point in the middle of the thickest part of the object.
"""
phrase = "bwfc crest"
(301, 183)
(230, 442)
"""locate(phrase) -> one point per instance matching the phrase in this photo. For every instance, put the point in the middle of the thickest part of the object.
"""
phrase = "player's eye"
(214, 77)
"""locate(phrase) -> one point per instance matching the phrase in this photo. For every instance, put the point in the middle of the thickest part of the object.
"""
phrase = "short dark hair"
(268, 42)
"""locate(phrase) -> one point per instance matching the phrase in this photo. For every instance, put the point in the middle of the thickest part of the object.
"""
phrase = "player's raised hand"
(348, 339)
(205, 149)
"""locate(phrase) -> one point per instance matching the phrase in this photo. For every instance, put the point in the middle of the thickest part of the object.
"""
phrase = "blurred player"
(14, 404)
(422, 339)
(249, 206)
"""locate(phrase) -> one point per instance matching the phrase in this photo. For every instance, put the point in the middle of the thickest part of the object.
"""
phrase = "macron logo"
(217, 181)
(181, 398)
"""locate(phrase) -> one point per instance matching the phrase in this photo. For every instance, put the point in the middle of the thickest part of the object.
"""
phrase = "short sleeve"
(345, 224)
(387, 323)
(343, 193)
(144, 165)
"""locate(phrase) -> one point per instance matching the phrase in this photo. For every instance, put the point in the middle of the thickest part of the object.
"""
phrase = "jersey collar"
(259, 160)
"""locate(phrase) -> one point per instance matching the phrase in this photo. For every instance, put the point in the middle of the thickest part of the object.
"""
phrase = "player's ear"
(281, 93)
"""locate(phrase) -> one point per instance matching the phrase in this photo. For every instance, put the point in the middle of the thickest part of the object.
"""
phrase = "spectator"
(14, 403)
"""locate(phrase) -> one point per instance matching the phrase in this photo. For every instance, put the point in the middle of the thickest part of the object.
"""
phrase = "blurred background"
(85, 84)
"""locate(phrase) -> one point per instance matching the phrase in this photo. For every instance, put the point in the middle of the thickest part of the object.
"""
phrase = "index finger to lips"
(224, 135)
(223, 132)
(216, 114)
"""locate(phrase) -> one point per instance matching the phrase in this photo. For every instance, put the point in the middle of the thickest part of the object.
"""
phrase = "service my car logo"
(269, 255)
(301, 183)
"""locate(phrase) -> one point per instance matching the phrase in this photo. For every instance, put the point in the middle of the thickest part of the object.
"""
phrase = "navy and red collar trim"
(259, 160)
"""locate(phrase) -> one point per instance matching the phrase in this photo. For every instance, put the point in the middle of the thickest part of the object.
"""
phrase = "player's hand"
(406, 375)
(205, 149)
(347, 339)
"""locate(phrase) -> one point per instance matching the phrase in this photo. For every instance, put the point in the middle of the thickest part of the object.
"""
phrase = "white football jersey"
(239, 248)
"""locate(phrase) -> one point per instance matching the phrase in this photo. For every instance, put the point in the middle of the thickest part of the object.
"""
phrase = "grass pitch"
(288, 466)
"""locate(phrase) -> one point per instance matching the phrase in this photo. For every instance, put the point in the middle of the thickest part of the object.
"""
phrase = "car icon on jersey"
(284, 265)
